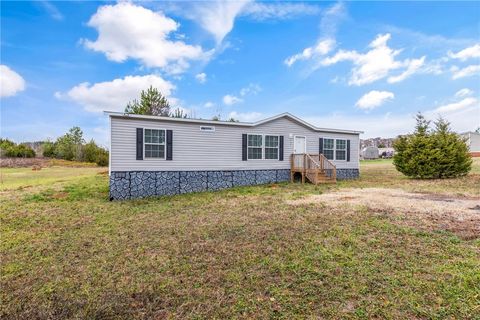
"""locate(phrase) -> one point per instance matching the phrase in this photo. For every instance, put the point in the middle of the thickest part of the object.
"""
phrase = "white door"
(299, 145)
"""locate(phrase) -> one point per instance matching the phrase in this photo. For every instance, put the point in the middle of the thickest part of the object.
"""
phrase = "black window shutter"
(139, 143)
(169, 145)
(244, 147)
(320, 146)
(348, 150)
(280, 149)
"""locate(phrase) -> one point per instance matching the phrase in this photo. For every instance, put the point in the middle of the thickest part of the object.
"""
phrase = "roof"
(230, 123)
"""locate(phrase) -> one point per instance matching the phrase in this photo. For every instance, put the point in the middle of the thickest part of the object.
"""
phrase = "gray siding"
(474, 142)
(219, 150)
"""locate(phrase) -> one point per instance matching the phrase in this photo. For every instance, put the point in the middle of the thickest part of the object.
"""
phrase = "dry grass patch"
(424, 211)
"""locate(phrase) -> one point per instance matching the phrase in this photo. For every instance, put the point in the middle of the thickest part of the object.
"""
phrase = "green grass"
(13, 178)
(67, 252)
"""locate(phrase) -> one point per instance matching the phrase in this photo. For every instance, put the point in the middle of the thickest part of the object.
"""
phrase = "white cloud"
(326, 43)
(127, 31)
(374, 99)
(412, 67)
(321, 48)
(216, 17)
(246, 116)
(469, 71)
(201, 77)
(10, 82)
(460, 105)
(251, 89)
(277, 10)
(465, 92)
(375, 64)
(209, 104)
(391, 124)
(114, 95)
(52, 10)
(467, 53)
(231, 99)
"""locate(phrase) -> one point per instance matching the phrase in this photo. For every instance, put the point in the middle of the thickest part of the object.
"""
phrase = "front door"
(299, 145)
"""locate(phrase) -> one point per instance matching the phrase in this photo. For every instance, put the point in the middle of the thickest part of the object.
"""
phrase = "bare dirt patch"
(420, 210)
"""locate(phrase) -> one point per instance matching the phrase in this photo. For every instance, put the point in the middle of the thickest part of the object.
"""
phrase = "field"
(383, 246)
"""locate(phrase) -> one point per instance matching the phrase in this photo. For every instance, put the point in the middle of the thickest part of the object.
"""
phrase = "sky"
(368, 66)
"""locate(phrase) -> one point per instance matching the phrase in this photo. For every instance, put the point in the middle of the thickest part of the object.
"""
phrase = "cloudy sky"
(355, 65)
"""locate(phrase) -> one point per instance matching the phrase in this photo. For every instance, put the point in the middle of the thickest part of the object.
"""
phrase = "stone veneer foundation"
(140, 184)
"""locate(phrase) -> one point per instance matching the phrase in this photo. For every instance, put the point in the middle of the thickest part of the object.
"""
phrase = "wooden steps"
(316, 168)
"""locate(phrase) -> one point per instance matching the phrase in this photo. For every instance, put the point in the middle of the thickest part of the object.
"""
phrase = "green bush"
(20, 151)
(432, 154)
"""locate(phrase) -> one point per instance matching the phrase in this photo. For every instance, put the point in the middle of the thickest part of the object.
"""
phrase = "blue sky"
(355, 65)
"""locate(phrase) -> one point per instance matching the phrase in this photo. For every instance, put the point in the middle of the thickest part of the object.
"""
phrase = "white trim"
(229, 123)
(164, 144)
(305, 137)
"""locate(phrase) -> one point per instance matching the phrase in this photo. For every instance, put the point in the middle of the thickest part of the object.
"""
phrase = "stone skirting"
(348, 174)
(141, 184)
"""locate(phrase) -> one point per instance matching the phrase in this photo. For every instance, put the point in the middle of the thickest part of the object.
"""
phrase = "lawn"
(252, 252)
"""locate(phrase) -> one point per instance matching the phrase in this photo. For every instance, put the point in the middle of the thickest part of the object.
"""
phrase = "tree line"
(14, 150)
(72, 146)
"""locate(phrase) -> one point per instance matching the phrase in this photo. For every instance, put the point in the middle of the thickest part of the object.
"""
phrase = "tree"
(381, 145)
(179, 113)
(427, 154)
(49, 149)
(69, 146)
(232, 119)
(152, 102)
(478, 130)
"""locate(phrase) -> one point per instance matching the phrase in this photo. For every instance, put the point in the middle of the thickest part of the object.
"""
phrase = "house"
(152, 156)
(473, 142)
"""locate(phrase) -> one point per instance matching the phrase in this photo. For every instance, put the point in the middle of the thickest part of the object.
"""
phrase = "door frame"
(304, 141)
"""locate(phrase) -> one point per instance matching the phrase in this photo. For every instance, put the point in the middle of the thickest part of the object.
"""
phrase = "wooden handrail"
(313, 165)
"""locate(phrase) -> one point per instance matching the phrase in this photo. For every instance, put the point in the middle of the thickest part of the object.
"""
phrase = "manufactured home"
(153, 156)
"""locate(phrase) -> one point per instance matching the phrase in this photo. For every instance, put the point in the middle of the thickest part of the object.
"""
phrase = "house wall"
(207, 161)
(219, 150)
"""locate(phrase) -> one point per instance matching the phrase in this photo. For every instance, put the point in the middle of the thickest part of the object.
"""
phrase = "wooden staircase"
(314, 167)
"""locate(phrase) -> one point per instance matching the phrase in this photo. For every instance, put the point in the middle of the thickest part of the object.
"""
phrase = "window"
(340, 149)
(328, 148)
(154, 142)
(255, 146)
(271, 147)
(335, 149)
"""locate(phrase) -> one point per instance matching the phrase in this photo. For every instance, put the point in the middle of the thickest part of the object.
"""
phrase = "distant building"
(386, 153)
(370, 153)
(473, 142)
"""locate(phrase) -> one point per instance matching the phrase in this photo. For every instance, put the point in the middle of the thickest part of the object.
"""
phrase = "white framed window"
(272, 144)
(335, 149)
(329, 148)
(340, 149)
(254, 146)
(154, 143)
